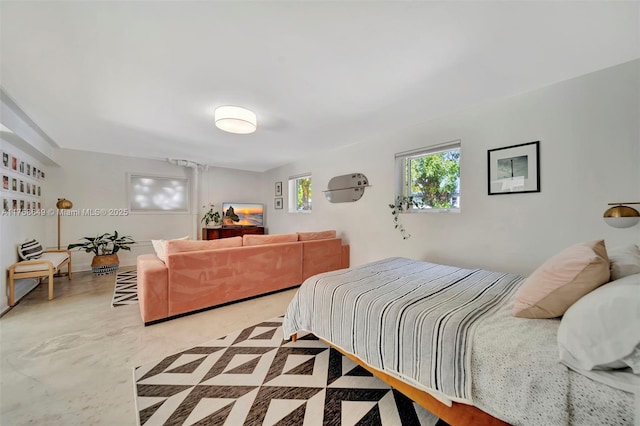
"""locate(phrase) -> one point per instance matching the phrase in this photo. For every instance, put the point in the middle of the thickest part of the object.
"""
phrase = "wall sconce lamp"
(621, 216)
(62, 204)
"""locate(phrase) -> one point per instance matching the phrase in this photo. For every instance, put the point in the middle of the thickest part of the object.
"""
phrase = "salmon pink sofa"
(197, 275)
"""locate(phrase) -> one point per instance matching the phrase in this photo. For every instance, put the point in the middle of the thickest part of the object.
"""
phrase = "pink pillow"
(320, 235)
(257, 240)
(563, 279)
(180, 246)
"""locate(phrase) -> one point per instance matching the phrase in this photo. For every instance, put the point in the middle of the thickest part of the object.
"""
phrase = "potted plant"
(211, 216)
(403, 203)
(104, 248)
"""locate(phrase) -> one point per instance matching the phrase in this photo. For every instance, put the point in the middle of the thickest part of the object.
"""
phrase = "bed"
(446, 336)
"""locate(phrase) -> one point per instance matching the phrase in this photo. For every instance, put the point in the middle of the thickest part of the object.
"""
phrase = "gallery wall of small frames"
(21, 185)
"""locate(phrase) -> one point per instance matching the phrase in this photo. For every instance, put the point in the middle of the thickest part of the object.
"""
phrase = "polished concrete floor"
(69, 361)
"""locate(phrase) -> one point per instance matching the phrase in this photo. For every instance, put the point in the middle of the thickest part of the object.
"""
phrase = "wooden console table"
(230, 231)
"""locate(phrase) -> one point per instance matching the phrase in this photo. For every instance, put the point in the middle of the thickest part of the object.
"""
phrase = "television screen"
(242, 214)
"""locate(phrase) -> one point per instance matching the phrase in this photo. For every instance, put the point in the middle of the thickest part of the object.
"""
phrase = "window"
(431, 176)
(300, 193)
(158, 194)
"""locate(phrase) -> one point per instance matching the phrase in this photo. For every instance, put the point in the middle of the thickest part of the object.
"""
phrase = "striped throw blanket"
(410, 319)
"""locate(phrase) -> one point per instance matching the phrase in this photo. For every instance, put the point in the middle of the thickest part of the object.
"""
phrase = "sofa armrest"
(321, 256)
(153, 288)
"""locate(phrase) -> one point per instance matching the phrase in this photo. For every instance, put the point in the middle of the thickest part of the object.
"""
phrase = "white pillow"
(624, 261)
(160, 247)
(602, 329)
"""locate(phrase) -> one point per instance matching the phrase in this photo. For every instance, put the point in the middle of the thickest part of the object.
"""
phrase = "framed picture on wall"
(514, 169)
(5, 160)
(278, 203)
(5, 182)
(278, 189)
(14, 163)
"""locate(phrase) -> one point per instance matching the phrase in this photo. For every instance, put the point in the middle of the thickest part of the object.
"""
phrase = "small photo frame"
(22, 186)
(29, 169)
(14, 184)
(21, 205)
(5, 160)
(277, 202)
(14, 163)
(21, 167)
(514, 169)
(279, 189)
(6, 204)
(39, 191)
(5, 182)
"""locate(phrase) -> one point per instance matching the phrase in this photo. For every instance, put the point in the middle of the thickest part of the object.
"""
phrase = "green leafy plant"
(104, 244)
(403, 203)
(211, 216)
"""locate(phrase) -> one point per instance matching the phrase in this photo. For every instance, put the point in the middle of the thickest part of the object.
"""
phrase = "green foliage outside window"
(303, 190)
(435, 178)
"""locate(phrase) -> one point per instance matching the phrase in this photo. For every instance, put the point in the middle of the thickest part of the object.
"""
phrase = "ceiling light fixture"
(234, 119)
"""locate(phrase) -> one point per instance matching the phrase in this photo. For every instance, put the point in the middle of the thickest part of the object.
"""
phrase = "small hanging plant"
(403, 203)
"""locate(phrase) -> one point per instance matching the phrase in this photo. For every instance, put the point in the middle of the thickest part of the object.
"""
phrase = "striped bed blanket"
(410, 319)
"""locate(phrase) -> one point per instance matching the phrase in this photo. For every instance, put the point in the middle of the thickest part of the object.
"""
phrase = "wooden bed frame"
(457, 414)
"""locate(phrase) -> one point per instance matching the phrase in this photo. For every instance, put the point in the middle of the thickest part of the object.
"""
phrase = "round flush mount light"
(235, 119)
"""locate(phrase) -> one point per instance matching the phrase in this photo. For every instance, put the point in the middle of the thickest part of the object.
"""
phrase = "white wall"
(22, 138)
(589, 136)
(18, 227)
(99, 181)
(219, 185)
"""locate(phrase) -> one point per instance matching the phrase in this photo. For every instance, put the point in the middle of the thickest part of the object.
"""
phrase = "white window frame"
(402, 180)
(293, 193)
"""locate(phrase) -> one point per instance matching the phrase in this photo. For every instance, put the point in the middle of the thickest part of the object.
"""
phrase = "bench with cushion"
(37, 263)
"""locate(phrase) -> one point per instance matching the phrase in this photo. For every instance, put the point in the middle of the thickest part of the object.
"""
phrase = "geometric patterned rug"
(254, 377)
(126, 290)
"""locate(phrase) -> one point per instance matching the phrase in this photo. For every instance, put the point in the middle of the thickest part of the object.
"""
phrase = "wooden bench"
(47, 265)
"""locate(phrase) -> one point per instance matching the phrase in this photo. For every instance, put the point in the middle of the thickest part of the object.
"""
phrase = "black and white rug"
(253, 377)
(126, 290)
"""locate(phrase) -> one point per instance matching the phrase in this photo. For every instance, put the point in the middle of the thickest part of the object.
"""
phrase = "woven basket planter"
(105, 264)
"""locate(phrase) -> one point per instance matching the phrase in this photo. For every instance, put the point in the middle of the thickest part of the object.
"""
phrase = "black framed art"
(277, 203)
(514, 169)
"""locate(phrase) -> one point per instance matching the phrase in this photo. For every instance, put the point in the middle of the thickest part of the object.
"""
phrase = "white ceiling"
(143, 78)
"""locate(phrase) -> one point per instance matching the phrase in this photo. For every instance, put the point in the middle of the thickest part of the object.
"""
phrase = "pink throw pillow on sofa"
(563, 279)
(257, 240)
(180, 246)
(320, 235)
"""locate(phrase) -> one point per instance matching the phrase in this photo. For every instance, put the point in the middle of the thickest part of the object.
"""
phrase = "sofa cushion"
(160, 247)
(257, 240)
(319, 235)
(180, 246)
(30, 250)
(54, 257)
